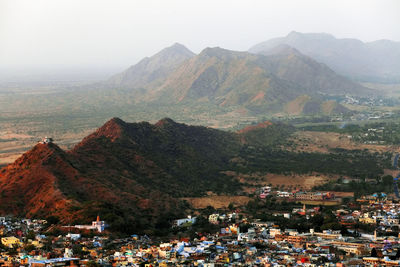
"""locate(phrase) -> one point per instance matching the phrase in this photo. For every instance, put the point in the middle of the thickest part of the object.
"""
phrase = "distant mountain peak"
(115, 121)
(283, 49)
(294, 33)
(153, 69)
(179, 46)
(112, 129)
(176, 48)
(212, 50)
(221, 53)
(372, 61)
(322, 35)
(164, 122)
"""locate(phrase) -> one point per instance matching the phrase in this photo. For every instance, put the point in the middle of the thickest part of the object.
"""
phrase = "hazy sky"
(113, 34)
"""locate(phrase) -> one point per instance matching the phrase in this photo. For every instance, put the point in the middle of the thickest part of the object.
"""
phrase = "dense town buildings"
(26, 242)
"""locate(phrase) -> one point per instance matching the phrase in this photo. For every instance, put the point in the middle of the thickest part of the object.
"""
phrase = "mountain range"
(377, 61)
(259, 83)
(273, 79)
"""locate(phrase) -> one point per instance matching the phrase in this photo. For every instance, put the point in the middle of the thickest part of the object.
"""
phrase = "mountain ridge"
(151, 71)
(257, 82)
(371, 61)
(135, 175)
(121, 168)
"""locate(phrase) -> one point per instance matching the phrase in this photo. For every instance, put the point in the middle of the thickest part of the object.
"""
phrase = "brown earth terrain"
(284, 182)
(260, 125)
(296, 106)
(15, 140)
(322, 142)
(322, 203)
(391, 172)
(217, 202)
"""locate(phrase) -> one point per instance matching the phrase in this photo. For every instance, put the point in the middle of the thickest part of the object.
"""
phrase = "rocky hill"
(152, 71)
(135, 174)
(259, 83)
(120, 171)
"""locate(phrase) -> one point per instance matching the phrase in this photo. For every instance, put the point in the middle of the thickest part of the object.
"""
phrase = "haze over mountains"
(259, 83)
(377, 61)
(143, 168)
(217, 87)
(151, 70)
(280, 80)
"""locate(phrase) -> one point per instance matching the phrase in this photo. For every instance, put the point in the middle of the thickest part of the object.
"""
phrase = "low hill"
(134, 174)
(120, 171)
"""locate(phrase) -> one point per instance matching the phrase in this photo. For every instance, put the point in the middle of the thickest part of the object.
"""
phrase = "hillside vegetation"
(136, 174)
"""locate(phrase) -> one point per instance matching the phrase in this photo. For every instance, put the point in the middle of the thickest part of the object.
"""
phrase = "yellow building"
(37, 244)
(10, 241)
(367, 220)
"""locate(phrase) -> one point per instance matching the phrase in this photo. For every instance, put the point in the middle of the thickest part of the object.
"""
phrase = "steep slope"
(257, 82)
(30, 185)
(119, 171)
(48, 181)
(134, 174)
(165, 151)
(151, 71)
(373, 61)
(306, 105)
(289, 64)
(218, 75)
(217, 81)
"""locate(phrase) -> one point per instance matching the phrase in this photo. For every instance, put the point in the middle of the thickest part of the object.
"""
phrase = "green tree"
(31, 235)
(231, 206)
(92, 264)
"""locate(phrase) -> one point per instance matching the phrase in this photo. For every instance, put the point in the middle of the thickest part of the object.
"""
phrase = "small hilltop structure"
(46, 140)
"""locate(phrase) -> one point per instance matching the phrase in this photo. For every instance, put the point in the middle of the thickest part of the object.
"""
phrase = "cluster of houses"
(366, 101)
(240, 241)
(296, 195)
(217, 218)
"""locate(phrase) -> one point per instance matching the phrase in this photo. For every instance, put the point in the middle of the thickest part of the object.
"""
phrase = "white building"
(97, 225)
(46, 140)
(213, 218)
(189, 219)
